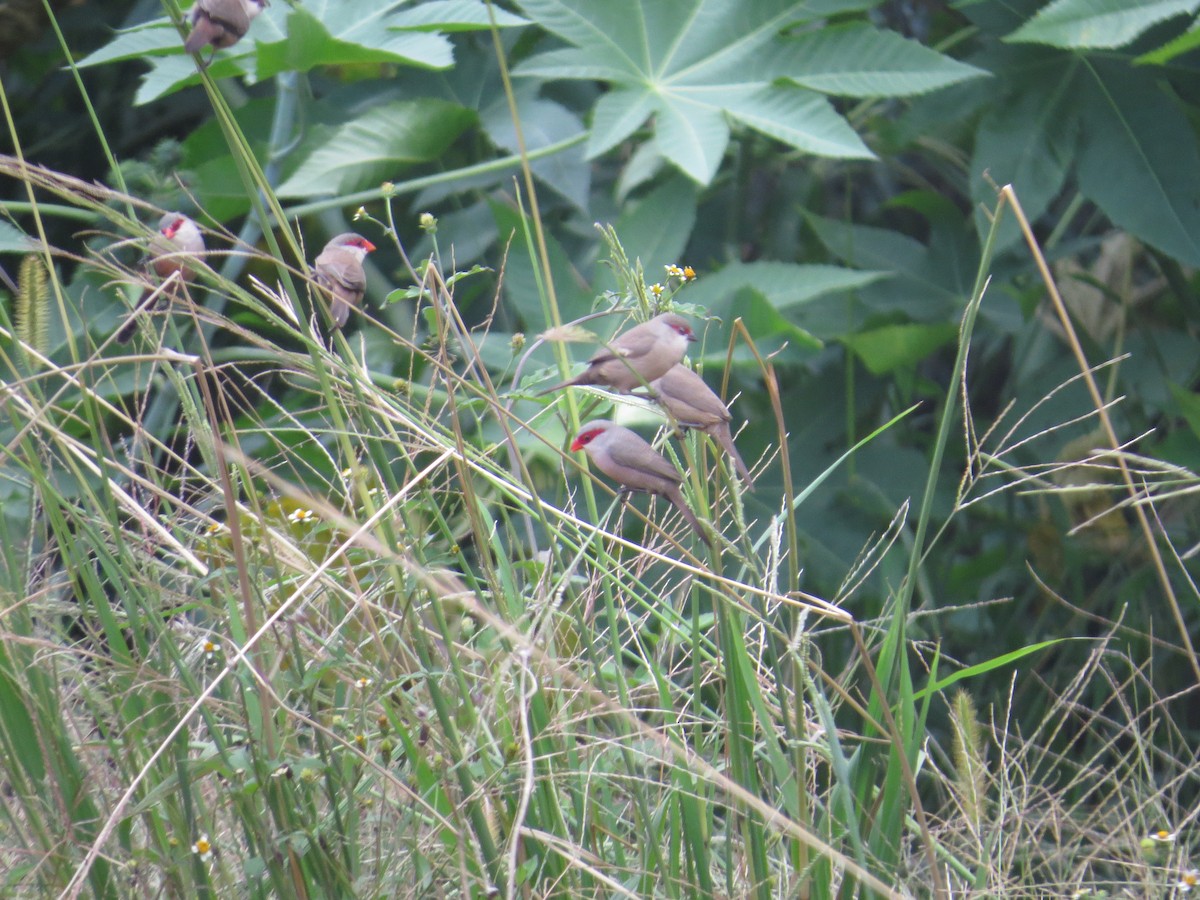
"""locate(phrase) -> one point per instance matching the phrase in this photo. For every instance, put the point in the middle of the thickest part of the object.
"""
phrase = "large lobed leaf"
(321, 33)
(695, 65)
(1097, 23)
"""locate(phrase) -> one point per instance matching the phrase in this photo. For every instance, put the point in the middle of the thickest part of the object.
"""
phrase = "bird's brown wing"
(643, 458)
(690, 400)
(634, 343)
(335, 272)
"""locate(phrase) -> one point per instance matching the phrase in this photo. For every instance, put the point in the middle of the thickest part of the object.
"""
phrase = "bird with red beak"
(637, 356)
(338, 270)
(220, 23)
(693, 404)
(626, 458)
(172, 250)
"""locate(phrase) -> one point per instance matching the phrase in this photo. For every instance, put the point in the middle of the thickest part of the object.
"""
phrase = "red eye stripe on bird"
(626, 458)
(178, 239)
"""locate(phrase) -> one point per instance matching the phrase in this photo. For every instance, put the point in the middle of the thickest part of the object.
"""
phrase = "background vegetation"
(298, 614)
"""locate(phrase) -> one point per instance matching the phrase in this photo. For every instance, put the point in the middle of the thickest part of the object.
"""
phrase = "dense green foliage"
(335, 604)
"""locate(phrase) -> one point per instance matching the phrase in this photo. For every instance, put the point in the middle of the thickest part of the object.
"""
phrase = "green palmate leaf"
(1026, 139)
(341, 33)
(860, 61)
(371, 148)
(152, 38)
(1097, 23)
(1138, 159)
(800, 118)
(895, 347)
(694, 66)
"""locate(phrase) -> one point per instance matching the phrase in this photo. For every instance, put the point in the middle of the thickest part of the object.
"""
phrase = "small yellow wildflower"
(673, 271)
(689, 274)
(303, 515)
(1190, 879)
(657, 289)
(364, 683)
(209, 649)
(1163, 836)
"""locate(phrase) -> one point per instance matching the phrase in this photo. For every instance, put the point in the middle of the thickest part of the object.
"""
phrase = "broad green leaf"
(152, 38)
(453, 15)
(1185, 43)
(1026, 139)
(859, 61)
(802, 119)
(770, 329)
(373, 146)
(895, 347)
(1096, 23)
(13, 241)
(1138, 159)
(783, 285)
(343, 32)
(694, 137)
(543, 122)
(924, 287)
(655, 228)
(215, 175)
(692, 66)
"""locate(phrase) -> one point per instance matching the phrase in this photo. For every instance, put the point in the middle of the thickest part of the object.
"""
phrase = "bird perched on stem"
(339, 271)
(637, 356)
(220, 23)
(173, 249)
(626, 458)
(693, 404)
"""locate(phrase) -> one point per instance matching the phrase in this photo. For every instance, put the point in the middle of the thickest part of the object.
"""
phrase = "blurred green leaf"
(375, 145)
(894, 347)
(1096, 23)
(1138, 158)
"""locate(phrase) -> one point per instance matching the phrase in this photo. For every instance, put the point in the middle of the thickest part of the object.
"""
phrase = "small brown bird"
(172, 250)
(339, 270)
(693, 404)
(637, 356)
(629, 460)
(220, 23)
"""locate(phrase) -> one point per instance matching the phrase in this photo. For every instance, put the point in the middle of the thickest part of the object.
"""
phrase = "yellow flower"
(303, 515)
(689, 274)
(1190, 879)
(657, 289)
(1163, 836)
(209, 649)
(364, 683)
(203, 848)
(215, 528)
(673, 271)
